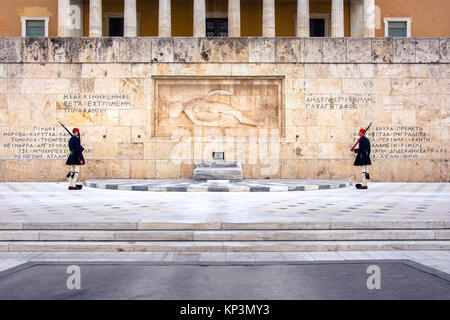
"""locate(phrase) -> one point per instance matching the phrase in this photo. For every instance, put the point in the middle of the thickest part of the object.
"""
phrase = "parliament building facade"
(234, 18)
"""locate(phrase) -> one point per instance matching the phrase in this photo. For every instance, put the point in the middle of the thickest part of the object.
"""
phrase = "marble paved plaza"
(22, 203)
(382, 202)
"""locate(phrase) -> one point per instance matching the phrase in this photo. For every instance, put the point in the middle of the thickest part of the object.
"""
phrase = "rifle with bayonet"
(71, 134)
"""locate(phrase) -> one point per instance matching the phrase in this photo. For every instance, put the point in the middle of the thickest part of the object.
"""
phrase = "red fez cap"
(75, 129)
(362, 130)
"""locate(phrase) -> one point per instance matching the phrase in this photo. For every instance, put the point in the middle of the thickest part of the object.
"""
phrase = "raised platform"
(218, 171)
(250, 185)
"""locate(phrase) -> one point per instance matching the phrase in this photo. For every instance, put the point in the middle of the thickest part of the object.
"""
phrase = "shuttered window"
(398, 29)
(35, 28)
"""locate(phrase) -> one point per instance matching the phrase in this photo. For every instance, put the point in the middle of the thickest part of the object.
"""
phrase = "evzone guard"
(75, 159)
(362, 158)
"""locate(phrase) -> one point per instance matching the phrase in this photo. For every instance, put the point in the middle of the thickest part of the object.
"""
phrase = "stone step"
(272, 225)
(223, 235)
(206, 246)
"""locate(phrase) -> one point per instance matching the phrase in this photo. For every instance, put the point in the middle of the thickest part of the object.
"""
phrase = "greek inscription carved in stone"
(402, 142)
(95, 103)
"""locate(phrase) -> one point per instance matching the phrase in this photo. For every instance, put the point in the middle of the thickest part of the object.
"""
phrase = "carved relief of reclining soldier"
(206, 111)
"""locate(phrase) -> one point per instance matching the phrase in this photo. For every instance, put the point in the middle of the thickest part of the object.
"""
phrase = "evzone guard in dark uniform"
(363, 159)
(75, 160)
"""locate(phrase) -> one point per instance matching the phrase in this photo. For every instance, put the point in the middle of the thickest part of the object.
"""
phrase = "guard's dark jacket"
(76, 152)
(363, 153)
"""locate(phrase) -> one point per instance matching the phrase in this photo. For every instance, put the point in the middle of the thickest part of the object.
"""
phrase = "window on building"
(319, 24)
(397, 27)
(216, 27)
(34, 26)
(113, 24)
(116, 27)
(317, 27)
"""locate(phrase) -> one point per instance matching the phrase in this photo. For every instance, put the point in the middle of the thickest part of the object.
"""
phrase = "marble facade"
(283, 107)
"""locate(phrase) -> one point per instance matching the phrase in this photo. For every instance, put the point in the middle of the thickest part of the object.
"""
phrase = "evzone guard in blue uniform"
(75, 160)
(363, 159)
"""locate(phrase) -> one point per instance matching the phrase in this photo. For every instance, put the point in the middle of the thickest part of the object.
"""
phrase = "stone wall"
(315, 93)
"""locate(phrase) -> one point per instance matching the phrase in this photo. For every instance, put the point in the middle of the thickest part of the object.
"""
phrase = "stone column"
(368, 18)
(95, 18)
(199, 18)
(234, 18)
(165, 22)
(337, 18)
(356, 8)
(63, 18)
(302, 18)
(130, 19)
(268, 29)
